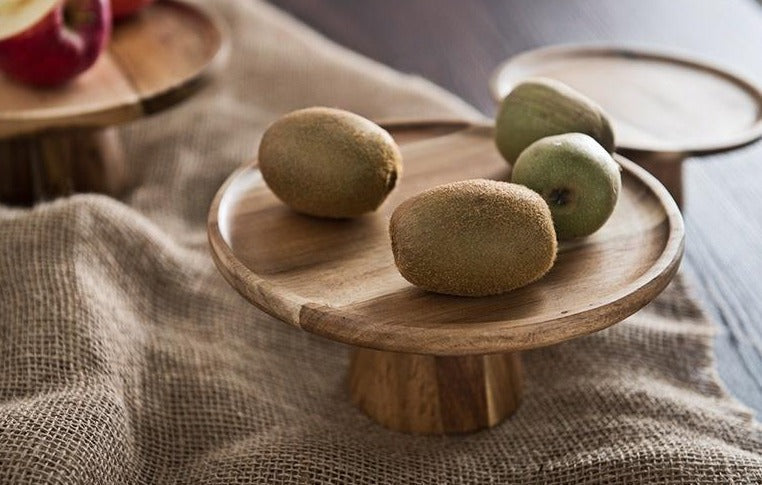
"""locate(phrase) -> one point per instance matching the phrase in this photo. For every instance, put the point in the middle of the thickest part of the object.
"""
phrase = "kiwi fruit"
(541, 107)
(328, 162)
(473, 238)
(577, 177)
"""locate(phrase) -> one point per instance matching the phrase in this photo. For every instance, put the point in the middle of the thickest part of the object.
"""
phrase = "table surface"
(457, 45)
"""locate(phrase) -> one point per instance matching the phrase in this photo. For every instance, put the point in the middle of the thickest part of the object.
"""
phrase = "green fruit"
(329, 163)
(473, 238)
(577, 178)
(543, 107)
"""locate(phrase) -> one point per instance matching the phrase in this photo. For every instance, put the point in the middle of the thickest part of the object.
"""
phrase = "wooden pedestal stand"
(665, 107)
(666, 167)
(435, 394)
(423, 362)
(47, 165)
(54, 142)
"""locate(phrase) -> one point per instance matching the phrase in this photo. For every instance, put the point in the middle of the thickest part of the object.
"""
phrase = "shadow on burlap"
(125, 358)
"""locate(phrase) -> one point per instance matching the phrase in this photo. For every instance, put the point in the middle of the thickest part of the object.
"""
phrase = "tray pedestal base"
(666, 167)
(44, 166)
(434, 395)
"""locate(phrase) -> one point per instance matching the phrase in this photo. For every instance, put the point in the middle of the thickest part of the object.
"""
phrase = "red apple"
(48, 42)
(125, 8)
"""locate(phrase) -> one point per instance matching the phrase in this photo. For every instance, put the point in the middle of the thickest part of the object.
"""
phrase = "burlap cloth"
(125, 357)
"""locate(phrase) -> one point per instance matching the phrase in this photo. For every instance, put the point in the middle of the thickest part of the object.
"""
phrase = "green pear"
(542, 107)
(576, 176)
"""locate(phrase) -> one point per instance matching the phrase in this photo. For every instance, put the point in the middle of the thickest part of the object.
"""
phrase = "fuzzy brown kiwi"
(473, 238)
(329, 163)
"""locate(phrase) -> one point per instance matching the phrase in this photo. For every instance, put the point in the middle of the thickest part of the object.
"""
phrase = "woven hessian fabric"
(125, 358)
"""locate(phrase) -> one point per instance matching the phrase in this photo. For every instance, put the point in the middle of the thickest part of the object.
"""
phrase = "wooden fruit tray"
(424, 362)
(57, 141)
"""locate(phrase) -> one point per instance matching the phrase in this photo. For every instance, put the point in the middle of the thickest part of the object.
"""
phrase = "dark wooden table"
(458, 43)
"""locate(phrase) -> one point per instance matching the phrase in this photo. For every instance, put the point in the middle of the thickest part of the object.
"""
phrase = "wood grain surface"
(434, 395)
(458, 44)
(184, 43)
(337, 278)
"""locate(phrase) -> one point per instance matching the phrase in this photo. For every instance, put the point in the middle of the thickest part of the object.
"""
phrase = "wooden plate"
(659, 102)
(154, 60)
(338, 279)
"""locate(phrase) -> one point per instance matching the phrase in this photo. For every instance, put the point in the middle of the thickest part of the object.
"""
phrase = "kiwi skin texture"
(541, 107)
(578, 179)
(473, 238)
(328, 162)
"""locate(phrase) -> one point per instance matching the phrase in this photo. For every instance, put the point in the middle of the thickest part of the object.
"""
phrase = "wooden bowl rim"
(673, 153)
(288, 307)
(146, 104)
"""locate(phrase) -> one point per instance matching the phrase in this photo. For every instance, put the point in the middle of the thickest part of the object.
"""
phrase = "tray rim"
(302, 313)
(676, 152)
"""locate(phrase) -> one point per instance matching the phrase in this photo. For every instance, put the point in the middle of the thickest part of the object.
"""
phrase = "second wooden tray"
(57, 141)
